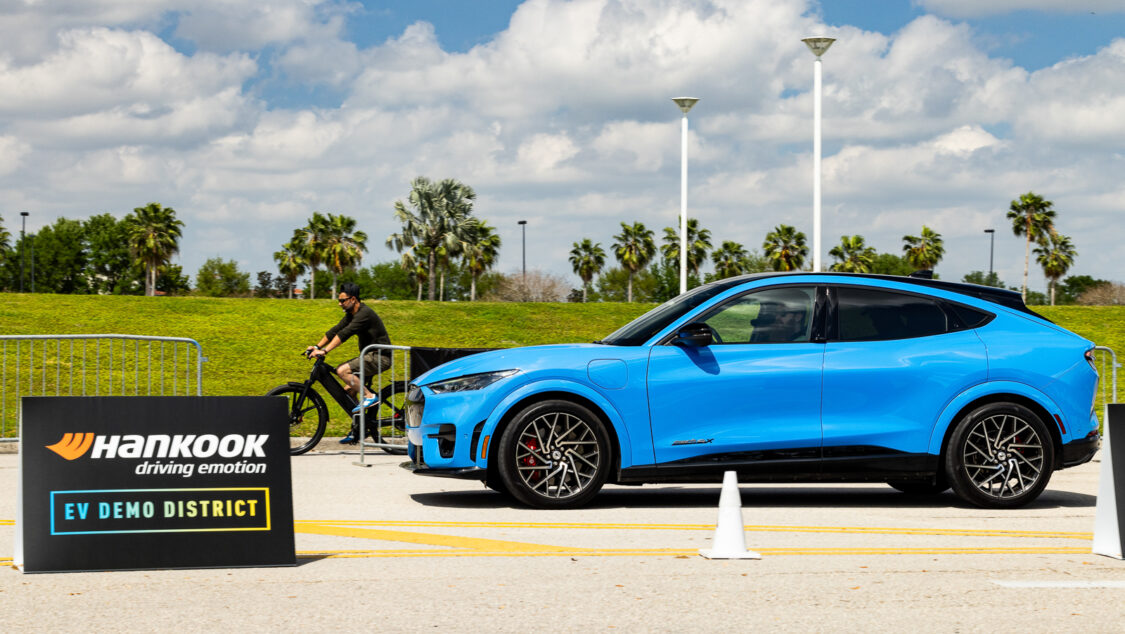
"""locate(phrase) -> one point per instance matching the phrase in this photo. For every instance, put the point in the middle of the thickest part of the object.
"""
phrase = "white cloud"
(132, 76)
(563, 119)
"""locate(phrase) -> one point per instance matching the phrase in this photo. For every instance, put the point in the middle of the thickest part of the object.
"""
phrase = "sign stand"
(1109, 515)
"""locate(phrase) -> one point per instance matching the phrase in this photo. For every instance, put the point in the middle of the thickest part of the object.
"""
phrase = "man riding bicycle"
(360, 320)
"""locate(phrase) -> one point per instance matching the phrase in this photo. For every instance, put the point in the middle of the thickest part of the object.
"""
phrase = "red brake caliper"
(530, 461)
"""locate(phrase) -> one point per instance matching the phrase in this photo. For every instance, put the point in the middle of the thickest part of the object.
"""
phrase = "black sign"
(423, 360)
(154, 482)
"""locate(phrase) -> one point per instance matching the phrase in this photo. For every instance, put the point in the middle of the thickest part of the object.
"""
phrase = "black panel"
(842, 464)
(423, 360)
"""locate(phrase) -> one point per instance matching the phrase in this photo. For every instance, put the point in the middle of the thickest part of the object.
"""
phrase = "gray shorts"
(373, 363)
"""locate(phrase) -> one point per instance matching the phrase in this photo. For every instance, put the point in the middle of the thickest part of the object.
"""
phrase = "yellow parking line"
(873, 530)
(679, 552)
(429, 539)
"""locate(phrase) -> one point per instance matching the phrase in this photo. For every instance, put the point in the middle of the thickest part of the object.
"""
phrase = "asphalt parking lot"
(381, 548)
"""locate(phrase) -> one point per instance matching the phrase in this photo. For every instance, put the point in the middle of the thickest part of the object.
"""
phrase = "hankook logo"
(73, 446)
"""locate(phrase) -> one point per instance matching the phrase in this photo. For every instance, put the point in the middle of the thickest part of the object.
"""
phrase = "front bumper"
(444, 432)
(469, 473)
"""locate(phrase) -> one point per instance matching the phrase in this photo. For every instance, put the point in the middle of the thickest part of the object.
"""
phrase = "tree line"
(448, 252)
(101, 254)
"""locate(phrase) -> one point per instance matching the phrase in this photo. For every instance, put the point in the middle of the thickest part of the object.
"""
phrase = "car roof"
(1001, 296)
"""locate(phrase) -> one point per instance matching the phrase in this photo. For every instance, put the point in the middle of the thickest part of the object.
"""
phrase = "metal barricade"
(391, 436)
(93, 365)
(1107, 357)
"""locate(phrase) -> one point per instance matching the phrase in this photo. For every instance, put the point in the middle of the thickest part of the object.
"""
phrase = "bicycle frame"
(324, 374)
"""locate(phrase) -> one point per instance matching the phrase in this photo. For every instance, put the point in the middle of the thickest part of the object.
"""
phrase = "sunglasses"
(344, 301)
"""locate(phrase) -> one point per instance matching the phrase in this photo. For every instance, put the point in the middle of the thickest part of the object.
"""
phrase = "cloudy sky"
(246, 116)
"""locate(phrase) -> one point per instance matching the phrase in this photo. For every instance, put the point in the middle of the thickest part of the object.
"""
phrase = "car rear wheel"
(1000, 456)
(554, 454)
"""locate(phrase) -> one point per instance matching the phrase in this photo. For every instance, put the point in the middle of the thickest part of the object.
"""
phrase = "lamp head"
(24, 214)
(685, 103)
(818, 45)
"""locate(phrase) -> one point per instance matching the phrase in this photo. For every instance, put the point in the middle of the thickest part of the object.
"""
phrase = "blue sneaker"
(349, 439)
(365, 403)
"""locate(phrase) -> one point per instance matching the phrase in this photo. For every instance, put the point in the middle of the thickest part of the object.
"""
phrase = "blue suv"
(799, 377)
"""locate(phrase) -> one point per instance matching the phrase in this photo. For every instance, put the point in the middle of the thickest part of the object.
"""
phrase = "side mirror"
(695, 334)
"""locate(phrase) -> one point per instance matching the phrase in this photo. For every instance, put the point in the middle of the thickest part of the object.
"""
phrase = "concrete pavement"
(381, 548)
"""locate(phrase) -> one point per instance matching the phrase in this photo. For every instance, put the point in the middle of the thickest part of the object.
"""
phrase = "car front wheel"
(1000, 456)
(554, 454)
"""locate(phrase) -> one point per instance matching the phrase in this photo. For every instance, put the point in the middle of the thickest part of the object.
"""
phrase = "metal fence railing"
(1105, 358)
(391, 385)
(93, 365)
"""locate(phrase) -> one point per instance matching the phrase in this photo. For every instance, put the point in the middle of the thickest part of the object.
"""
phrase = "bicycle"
(308, 413)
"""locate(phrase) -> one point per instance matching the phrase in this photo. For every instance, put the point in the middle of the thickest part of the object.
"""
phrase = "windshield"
(644, 327)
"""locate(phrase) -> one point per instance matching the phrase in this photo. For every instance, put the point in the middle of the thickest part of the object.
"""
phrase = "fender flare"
(983, 390)
(616, 421)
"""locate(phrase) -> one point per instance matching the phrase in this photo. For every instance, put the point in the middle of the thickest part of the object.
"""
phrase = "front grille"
(415, 401)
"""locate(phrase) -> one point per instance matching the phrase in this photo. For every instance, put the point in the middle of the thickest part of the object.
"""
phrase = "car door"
(893, 361)
(749, 400)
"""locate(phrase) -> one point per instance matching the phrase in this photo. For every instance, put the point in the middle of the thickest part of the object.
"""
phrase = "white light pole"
(523, 230)
(685, 104)
(23, 246)
(819, 46)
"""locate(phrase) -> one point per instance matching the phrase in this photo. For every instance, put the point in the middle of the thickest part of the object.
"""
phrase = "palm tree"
(923, 251)
(698, 241)
(479, 247)
(1034, 218)
(5, 237)
(785, 248)
(1056, 257)
(290, 263)
(852, 255)
(729, 259)
(310, 242)
(634, 248)
(153, 234)
(413, 262)
(587, 259)
(437, 218)
(343, 246)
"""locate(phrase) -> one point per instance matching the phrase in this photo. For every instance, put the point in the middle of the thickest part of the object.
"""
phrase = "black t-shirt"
(365, 324)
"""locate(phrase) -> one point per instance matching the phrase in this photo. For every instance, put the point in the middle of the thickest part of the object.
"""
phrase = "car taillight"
(1097, 383)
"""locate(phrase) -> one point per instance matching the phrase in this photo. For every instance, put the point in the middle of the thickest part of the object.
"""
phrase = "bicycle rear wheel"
(308, 416)
(390, 423)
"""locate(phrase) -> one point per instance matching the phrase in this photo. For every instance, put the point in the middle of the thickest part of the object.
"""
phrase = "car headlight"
(470, 382)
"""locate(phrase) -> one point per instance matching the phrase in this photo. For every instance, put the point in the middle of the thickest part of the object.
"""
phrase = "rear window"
(866, 314)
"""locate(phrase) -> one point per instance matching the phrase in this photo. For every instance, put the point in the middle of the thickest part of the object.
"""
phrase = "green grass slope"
(253, 345)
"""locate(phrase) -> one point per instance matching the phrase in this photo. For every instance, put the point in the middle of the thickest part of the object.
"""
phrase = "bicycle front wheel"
(308, 416)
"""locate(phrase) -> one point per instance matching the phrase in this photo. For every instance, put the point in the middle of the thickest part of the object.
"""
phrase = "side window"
(866, 314)
(970, 317)
(774, 315)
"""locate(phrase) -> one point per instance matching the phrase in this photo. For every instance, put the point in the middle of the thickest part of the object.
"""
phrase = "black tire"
(1000, 455)
(921, 487)
(308, 416)
(568, 442)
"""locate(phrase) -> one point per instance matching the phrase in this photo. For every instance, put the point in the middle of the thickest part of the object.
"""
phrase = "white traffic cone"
(729, 541)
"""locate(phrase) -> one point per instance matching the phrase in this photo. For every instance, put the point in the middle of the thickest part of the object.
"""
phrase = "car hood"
(565, 355)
